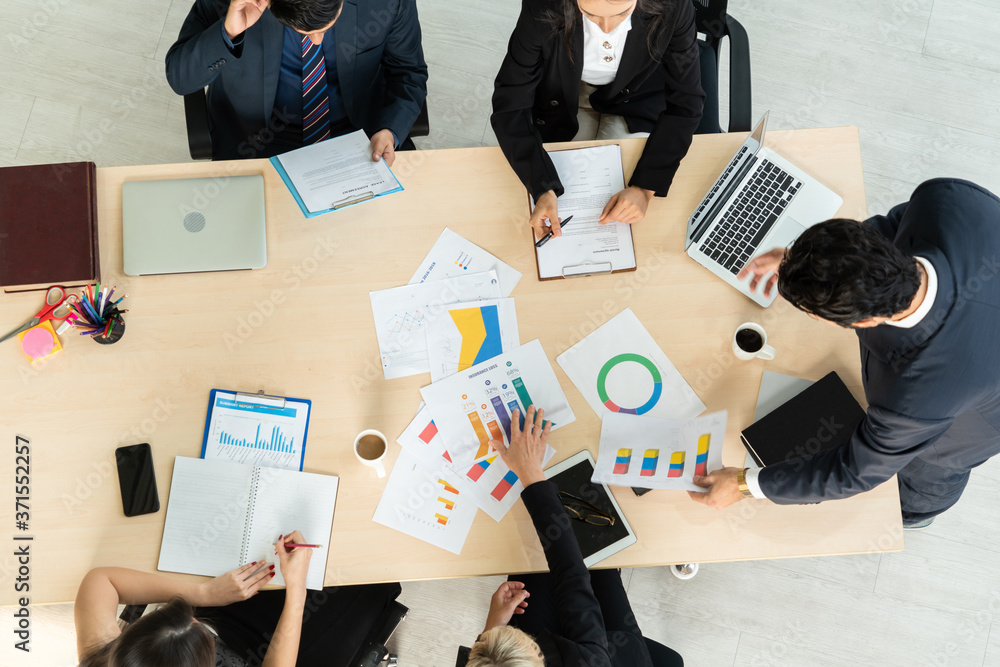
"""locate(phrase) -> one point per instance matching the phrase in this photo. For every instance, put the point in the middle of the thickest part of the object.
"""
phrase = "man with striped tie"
(288, 73)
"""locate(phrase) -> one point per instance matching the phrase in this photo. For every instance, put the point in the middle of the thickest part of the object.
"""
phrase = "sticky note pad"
(39, 342)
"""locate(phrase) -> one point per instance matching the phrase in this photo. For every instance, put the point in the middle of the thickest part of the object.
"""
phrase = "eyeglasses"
(581, 510)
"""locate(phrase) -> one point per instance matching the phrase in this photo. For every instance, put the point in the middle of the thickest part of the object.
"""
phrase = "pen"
(545, 239)
(289, 545)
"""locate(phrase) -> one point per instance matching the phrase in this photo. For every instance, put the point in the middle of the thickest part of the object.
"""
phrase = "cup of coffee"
(370, 447)
(750, 342)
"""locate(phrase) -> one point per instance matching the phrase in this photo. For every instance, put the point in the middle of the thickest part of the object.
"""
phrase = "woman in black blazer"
(641, 56)
(576, 618)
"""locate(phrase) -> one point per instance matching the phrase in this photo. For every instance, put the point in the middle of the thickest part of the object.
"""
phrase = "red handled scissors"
(57, 307)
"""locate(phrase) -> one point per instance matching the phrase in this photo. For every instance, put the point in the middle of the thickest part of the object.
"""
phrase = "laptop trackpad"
(787, 230)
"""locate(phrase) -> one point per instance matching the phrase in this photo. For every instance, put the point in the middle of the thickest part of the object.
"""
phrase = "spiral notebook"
(222, 515)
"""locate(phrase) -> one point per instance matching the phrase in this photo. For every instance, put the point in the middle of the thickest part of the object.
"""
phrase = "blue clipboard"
(279, 439)
(352, 201)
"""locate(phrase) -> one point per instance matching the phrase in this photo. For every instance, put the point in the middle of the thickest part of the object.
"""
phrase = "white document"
(222, 515)
(256, 434)
(470, 334)
(653, 453)
(776, 389)
(453, 256)
(590, 177)
(425, 503)
(422, 441)
(620, 368)
(403, 313)
(337, 171)
(473, 406)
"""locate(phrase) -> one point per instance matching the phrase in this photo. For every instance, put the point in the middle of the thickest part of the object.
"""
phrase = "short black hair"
(846, 271)
(306, 15)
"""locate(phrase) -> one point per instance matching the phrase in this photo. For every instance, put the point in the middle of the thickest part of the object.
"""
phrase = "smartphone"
(137, 480)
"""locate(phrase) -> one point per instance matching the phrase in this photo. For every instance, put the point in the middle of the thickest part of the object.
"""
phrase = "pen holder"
(116, 332)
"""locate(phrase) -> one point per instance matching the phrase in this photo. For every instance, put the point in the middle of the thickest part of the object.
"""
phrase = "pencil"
(289, 545)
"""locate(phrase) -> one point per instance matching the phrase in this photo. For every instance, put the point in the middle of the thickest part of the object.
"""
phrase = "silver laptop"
(760, 202)
(193, 224)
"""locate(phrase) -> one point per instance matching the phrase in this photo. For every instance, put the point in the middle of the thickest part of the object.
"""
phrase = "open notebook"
(222, 515)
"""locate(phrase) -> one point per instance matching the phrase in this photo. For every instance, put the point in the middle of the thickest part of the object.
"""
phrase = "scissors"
(56, 307)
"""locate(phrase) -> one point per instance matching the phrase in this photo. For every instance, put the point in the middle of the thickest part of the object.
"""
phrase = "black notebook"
(821, 417)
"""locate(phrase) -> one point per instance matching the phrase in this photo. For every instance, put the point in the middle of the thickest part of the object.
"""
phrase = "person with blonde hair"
(576, 617)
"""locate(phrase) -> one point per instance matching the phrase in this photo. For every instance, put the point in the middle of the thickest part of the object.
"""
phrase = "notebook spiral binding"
(251, 501)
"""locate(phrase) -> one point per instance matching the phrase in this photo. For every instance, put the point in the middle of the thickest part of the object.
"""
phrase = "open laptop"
(760, 202)
(193, 224)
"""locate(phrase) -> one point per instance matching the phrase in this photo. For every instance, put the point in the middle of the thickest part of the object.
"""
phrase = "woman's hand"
(241, 15)
(527, 446)
(546, 208)
(761, 266)
(294, 563)
(627, 206)
(510, 599)
(236, 585)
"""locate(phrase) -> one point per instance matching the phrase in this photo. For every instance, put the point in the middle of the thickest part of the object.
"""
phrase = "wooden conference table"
(303, 327)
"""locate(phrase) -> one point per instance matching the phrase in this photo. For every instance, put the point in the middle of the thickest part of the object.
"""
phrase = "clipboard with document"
(256, 429)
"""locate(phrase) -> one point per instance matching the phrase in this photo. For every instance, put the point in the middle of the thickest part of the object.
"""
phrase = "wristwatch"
(741, 479)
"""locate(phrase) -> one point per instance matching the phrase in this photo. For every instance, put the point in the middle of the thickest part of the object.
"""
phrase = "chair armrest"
(740, 112)
(421, 126)
(196, 118)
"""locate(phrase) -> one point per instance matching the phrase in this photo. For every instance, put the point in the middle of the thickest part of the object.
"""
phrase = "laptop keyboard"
(750, 217)
(719, 181)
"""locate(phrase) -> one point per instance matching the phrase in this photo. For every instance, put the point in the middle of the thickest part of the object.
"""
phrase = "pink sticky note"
(37, 343)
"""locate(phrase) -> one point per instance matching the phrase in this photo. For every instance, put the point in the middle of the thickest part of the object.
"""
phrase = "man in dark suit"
(921, 287)
(297, 71)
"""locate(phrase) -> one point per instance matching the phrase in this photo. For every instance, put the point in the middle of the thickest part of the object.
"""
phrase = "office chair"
(712, 20)
(200, 133)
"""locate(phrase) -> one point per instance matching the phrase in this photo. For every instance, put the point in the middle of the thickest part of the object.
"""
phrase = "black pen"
(545, 239)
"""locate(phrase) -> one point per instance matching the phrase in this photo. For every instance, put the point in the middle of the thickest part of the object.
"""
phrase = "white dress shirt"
(907, 322)
(602, 52)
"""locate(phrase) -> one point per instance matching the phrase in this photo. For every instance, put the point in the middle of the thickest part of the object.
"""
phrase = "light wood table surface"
(303, 327)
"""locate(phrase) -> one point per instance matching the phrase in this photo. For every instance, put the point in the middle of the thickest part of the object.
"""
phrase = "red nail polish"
(272, 574)
(271, 567)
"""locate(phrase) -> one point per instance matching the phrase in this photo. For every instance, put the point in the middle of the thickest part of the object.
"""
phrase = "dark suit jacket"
(380, 64)
(933, 390)
(584, 641)
(538, 91)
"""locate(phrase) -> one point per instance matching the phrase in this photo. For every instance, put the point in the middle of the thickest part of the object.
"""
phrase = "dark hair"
(846, 271)
(306, 15)
(565, 18)
(167, 637)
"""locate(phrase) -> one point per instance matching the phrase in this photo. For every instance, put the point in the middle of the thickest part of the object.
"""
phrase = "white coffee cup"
(750, 342)
(370, 447)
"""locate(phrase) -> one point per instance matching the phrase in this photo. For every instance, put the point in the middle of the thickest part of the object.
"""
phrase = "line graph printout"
(653, 453)
(453, 255)
(470, 334)
(402, 315)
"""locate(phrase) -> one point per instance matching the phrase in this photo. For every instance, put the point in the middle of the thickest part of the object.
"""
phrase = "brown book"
(48, 226)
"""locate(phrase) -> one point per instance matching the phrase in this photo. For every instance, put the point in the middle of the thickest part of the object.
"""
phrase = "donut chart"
(602, 377)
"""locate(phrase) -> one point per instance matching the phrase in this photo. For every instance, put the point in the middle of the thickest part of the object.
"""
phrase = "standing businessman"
(288, 73)
(921, 288)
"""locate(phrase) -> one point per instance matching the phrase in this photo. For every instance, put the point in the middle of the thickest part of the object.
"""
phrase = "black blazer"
(537, 94)
(584, 640)
(933, 390)
(380, 63)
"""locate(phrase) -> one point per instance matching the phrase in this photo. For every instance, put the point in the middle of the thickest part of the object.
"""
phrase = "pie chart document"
(620, 368)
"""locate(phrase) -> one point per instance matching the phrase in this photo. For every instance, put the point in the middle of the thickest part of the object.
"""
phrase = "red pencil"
(289, 545)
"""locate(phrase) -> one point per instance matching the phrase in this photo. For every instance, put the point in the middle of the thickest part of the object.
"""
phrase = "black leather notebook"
(821, 417)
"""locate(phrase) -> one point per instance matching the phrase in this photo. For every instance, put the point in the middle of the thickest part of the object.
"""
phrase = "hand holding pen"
(545, 239)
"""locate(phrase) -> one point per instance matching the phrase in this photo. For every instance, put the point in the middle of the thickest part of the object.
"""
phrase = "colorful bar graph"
(429, 432)
(495, 431)
(649, 460)
(484, 440)
(522, 393)
(476, 471)
(501, 414)
(441, 519)
(448, 504)
(676, 464)
(448, 487)
(622, 461)
(701, 463)
(509, 480)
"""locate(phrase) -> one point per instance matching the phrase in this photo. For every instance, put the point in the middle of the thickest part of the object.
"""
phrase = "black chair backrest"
(710, 18)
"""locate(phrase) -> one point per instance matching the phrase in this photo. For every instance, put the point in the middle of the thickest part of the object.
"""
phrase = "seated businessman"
(289, 73)
(920, 288)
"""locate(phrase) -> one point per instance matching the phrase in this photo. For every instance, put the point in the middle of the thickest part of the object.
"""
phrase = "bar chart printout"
(267, 433)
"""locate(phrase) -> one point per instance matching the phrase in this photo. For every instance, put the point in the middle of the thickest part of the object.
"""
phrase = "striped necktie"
(315, 101)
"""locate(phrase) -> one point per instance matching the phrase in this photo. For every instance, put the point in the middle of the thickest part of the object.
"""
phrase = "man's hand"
(546, 208)
(241, 15)
(510, 599)
(723, 489)
(762, 265)
(384, 147)
(294, 563)
(236, 585)
(627, 206)
(527, 446)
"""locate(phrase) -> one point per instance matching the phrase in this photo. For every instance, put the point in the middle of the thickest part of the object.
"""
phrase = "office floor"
(84, 81)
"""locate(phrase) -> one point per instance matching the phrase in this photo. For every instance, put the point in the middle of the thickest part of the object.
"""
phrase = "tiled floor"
(84, 80)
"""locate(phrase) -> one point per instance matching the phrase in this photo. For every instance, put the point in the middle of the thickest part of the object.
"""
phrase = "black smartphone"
(137, 480)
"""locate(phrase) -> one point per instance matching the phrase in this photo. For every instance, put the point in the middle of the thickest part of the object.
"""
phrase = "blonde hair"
(505, 646)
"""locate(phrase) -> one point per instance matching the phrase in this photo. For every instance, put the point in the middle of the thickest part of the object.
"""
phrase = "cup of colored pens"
(97, 314)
